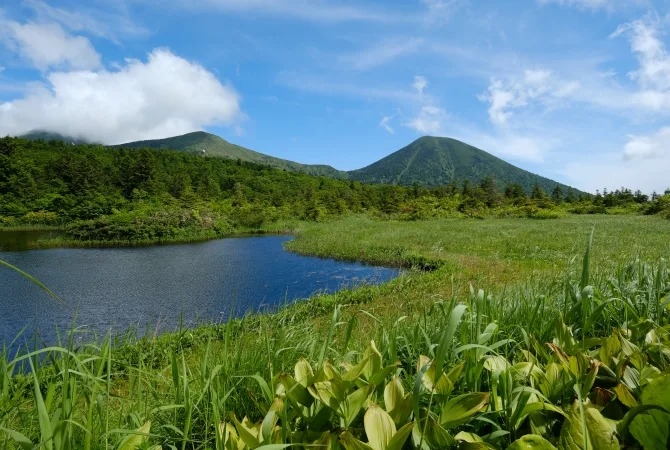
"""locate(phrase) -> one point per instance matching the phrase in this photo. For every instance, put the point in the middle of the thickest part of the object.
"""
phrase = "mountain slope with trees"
(428, 161)
(208, 144)
(436, 161)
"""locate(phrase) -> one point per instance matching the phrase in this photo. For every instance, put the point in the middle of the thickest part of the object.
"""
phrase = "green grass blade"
(32, 279)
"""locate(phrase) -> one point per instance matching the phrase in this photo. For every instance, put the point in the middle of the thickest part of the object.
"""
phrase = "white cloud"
(430, 117)
(48, 45)
(429, 120)
(164, 96)
(653, 74)
(654, 71)
(654, 146)
(535, 87)
(420, 83)
(642, 162)
(385, 124)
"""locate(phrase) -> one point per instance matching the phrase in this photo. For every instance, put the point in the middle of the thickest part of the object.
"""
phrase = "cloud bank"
(164, 96)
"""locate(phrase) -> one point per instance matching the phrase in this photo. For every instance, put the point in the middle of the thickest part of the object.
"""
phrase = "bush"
(42, 218)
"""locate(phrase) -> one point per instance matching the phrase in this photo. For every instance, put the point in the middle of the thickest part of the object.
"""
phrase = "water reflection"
(12, 240)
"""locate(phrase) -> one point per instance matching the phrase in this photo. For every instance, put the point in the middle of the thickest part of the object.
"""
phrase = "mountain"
(428, 161)
(211, 145)
(435, 161)
(51, 136)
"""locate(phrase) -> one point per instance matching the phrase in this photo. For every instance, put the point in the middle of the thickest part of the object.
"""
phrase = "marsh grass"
(470, 361)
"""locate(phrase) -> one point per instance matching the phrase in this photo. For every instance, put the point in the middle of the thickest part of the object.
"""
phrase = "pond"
(152, 288)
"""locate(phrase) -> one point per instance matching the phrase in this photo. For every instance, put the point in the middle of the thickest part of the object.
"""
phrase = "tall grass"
(175, 390)
(545, 353)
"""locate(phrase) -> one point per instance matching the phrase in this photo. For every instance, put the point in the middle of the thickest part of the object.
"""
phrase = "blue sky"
(575, 90)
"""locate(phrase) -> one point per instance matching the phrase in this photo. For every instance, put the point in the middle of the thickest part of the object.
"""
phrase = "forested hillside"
(142, 196)
(209, 144)
(435, 161)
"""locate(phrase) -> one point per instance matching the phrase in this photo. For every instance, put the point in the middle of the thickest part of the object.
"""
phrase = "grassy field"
(459, 357)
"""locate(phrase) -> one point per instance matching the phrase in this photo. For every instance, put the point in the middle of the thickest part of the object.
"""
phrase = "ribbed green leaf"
(353, 404)
(295, 391)
(394, 393)
(399, 438)
(247, 432)
(531, 442)
(136, 439)
(303, 372)
(590, 433)
(651, 429)
(460, 409)
(351, 443)
(379, 427)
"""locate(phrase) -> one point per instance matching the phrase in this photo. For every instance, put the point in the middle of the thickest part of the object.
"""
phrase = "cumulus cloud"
(535, 87)
(654, 146)
(48, 45)
(164, 96)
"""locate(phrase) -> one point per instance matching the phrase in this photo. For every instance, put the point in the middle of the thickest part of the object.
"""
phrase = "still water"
(149, 288)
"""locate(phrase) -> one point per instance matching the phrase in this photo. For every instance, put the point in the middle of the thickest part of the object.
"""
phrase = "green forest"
(124, 196)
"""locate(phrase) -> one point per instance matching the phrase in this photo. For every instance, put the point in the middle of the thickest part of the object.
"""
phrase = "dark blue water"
(149, 288)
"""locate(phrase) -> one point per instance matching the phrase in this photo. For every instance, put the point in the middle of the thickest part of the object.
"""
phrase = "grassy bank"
(176, 236)
(491, 378)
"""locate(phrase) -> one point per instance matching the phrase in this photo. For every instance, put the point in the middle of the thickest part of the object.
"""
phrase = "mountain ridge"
(427, 161)
(209, 144)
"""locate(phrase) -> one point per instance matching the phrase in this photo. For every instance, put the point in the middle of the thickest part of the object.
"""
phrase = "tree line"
(89, 187)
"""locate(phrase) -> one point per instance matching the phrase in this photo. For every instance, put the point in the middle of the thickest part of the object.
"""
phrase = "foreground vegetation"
(512, 340)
